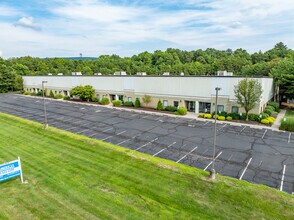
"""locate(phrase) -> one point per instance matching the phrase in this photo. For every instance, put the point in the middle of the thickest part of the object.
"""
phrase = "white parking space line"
(146, 144)
(245, 169)
(191, 151)
(71, 128)
(224, 125)
(98, 111)
(230, 157)
(206, 123)
(82, 108)
(104, 139)
(145, 116)
(164, 149)
(83, 130)
(289, 138)
(242, 129)
(283, 177)
(264, 134)
(107, 130)
(212, 161)
(126, 140)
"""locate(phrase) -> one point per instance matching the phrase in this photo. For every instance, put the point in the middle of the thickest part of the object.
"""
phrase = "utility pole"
(45, 113)
(212, 171)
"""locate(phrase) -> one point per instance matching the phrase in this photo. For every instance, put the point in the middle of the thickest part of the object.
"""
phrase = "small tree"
(137, 103)
(146, 99)
(248, 92)
(84, 92)
(51, 95)
(159, 106)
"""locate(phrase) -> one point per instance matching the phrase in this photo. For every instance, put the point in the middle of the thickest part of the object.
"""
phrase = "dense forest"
(277, 62)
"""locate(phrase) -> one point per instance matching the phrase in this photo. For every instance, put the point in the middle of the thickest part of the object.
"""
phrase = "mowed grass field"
(74, 177)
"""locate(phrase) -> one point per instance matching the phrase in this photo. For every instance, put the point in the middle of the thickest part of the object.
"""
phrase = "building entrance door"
(190, 105)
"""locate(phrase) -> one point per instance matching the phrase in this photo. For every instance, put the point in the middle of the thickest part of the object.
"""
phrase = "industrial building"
(196, 93)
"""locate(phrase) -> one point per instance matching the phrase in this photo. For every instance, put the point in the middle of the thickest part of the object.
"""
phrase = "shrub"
(66, 97)
(181, 111)
(116, 102)
(287, 125)
(221, 118)
(33, 93)
(51, 95)
(27, 93)
(271, 120)
(234, 115)
(253, 117)
(270, 108)
(137, 103)
(94, 99)
(268, 111)
(129, 104)
(274, 114)
(225, 114)
(264, 121)
(159, 106)
(264, 115)
(208, 116)
(84, 92)
(201, 115)
(104, 101)
(58, 96)
(229, 118)
(40, 93)
(276, 105)
(171, 108)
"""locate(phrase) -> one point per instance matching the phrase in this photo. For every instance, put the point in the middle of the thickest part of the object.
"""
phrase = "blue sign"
(10, 170)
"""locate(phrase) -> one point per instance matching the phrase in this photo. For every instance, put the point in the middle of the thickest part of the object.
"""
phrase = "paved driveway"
(255, 155)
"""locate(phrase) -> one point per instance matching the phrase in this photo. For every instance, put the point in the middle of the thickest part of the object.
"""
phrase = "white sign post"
(10, 170)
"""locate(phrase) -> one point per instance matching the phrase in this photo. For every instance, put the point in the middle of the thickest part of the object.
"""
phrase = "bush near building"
(58, 96)
(66, 97)
(171, 108)
(181, 111)
(159, 106)
(116, 103)
(83, 92)
(95, 99)
(27, 93)
(51, 95)
(137, 103)
(104, 101)
(128, 104)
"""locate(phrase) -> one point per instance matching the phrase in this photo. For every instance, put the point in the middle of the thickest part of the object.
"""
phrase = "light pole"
(45, 113)
(212, 171)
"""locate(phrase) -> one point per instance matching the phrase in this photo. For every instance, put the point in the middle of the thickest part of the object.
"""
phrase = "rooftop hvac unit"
(59, 74)
(224, 73)
(76, 73)
(182, 74)
(50, 74)
(97, 74)
(141, 74)
(165, 74)
(122, 73)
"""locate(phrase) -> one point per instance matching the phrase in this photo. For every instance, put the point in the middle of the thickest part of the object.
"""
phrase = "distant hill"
(80, 58)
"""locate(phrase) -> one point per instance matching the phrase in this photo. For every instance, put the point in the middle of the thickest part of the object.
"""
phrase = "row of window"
(221, 108)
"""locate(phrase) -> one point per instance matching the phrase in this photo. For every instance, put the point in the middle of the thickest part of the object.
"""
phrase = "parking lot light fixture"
(212, 171)
(45, 113)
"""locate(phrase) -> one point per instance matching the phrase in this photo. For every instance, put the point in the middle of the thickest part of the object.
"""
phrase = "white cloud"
(8, 11)
(28, 22)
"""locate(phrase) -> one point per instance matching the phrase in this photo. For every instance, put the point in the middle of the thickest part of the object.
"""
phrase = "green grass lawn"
(74, 177)
(288, 125)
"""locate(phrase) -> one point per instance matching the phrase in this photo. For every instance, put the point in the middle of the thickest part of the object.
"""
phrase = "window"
(55, 92)
(65, 93)
(165, 103)
(176, 103)
(235, 109)
(129, 99)
(220, 108)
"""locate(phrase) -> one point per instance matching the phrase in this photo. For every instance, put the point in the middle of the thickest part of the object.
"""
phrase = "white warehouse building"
(196, 93)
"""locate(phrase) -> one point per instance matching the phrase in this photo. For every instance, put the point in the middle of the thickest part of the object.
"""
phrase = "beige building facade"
(196, 93)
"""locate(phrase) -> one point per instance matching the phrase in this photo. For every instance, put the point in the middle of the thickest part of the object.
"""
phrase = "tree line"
(277, 62)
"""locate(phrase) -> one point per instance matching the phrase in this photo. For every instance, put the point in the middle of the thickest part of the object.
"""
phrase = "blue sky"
(60, 28)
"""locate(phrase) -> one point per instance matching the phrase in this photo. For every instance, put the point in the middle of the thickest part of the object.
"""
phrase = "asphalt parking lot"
(256, 155)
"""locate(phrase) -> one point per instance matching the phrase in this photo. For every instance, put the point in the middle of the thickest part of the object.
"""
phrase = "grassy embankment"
(74, 177)
(288, 124)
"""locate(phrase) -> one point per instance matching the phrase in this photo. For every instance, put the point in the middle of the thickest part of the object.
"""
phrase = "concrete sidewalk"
(277, 122)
